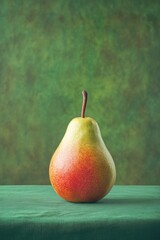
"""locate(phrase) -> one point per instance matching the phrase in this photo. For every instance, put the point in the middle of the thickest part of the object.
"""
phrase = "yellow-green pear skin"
(82, 169)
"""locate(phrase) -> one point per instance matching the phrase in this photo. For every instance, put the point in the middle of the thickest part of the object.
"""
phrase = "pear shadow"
(120, 201)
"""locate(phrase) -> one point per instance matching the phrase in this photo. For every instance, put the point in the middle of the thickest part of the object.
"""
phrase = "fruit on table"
(82, 169)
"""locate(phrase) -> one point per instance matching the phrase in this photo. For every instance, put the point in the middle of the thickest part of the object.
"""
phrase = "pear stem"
(85, 95)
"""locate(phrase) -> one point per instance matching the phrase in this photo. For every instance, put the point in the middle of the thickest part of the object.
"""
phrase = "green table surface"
(36, 212)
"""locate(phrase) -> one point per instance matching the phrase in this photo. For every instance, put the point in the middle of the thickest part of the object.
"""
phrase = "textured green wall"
(49, 52)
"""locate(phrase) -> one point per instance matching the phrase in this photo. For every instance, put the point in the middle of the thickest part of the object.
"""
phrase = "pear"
(82, 169)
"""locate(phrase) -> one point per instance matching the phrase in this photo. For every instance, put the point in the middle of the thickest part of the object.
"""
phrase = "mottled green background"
(49, 52)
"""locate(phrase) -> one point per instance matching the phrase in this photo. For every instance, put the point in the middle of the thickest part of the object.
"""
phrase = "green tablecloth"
(36, 212)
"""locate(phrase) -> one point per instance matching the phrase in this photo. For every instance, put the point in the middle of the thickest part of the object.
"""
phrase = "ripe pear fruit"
(82, 169)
